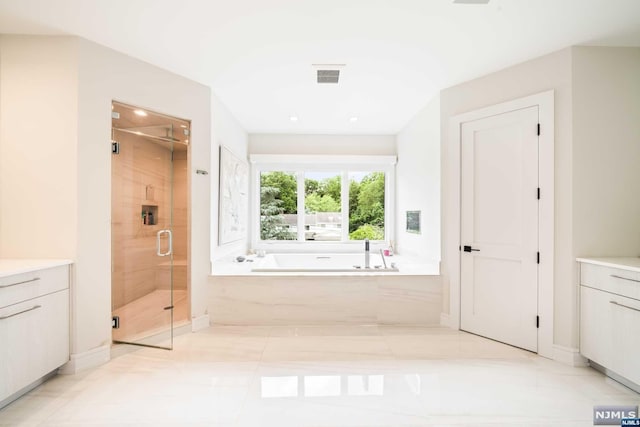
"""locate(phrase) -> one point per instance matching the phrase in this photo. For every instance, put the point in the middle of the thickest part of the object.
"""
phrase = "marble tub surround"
(303, 376)
(238, 296)
(326, 299)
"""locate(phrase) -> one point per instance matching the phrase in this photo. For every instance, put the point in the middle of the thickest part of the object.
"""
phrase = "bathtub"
(338, 263)
(324, 289)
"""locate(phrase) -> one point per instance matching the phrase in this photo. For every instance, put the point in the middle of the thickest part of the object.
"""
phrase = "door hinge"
(115, 147)
(538, 193)
(538, 258)
(538, 129)
(537, 321)
(459, 248)
(115, 322)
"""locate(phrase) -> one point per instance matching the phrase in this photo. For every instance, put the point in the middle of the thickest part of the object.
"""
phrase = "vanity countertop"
(624, 263)
(9, 267)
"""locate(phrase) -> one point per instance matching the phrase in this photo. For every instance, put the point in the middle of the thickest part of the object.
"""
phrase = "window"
(366, 205)
(323, 206)
(320, 200)
(278, 206)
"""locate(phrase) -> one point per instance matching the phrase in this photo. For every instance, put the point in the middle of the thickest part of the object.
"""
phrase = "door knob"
(470, 249)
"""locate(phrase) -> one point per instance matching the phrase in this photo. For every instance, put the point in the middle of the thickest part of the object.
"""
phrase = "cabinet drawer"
(626, 337)
(610, 331)
(21, 287)
(614, 280)
(34, 337)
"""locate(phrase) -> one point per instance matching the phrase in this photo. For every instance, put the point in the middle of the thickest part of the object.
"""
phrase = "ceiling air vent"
(471, 1)
(328, 76)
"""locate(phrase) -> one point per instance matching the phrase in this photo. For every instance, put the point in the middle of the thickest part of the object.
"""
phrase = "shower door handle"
(158, 236)
(170, 250)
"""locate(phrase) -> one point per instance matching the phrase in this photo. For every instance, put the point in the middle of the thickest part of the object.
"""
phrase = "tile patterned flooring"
(323, 376)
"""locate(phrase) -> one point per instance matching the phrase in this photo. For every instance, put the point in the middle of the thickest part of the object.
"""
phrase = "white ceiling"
(257, 54)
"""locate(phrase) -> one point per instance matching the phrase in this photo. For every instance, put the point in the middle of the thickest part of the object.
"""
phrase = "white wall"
(322, 144)
(226, 132)
(325, 145)
(418, 183)
(69, 84)
(606, 156)
(551, 71)
(107, 75)
(597, 178)
(38, 134)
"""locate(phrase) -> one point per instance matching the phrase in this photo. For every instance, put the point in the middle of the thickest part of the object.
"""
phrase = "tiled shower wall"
(180, 220)
(137, 270)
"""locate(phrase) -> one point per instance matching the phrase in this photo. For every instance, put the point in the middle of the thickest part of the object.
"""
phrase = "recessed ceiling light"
(140, 113)
(293, 118)
(353, 119)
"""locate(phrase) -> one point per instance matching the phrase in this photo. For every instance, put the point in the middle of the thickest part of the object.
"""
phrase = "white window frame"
(299, 164)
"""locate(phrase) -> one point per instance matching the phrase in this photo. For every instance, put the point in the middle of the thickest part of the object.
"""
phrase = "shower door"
(142, 233)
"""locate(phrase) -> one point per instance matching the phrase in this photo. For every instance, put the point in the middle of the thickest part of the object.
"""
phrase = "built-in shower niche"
(149, 215)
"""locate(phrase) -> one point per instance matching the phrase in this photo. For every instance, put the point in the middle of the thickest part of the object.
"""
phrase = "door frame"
(545, 103)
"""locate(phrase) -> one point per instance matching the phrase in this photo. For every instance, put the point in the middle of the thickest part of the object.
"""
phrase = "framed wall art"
(233, 197)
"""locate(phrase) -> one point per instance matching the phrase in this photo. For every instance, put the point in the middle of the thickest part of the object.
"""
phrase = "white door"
(499, 228)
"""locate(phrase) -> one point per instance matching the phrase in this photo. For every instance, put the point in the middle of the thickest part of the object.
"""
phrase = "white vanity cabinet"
(34, 322)
(610, 315)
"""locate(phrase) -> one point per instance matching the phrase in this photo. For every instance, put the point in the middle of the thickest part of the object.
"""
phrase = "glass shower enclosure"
(144, 274)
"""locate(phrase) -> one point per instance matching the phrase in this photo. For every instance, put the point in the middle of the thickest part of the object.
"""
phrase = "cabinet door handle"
(625, 278)
(35, 307)
(19, 283)
(625, 306)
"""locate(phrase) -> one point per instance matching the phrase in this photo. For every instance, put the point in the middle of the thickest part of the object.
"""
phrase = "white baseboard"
(569, 356)
(86, 360)
(200, 322)
(445, 320)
